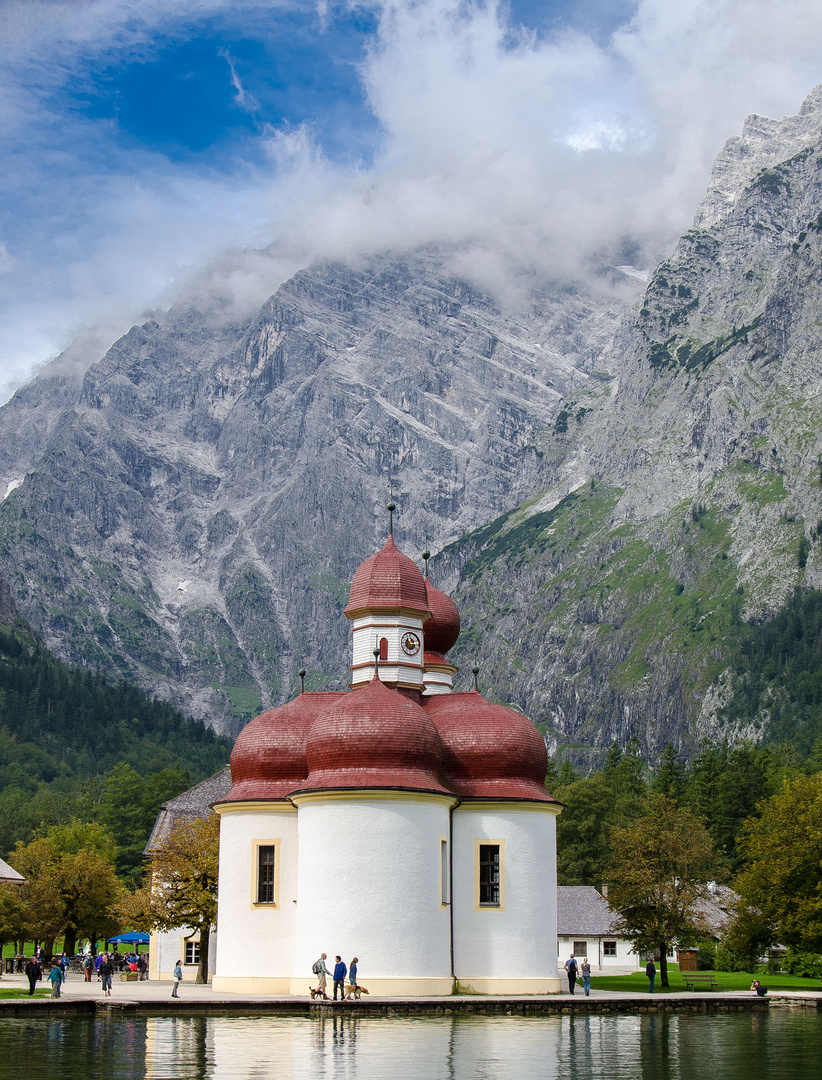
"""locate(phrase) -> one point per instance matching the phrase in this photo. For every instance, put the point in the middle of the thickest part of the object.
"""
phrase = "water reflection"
(347, 1047)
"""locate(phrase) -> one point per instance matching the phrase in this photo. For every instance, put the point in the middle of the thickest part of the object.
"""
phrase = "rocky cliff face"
(614, 494)
(193, 511)
(697, 496)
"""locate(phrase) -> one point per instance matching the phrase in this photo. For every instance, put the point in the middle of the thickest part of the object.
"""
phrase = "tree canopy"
(658, 877)
(783, 877)
(182, 888)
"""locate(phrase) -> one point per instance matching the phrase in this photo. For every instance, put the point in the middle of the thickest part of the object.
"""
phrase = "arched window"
(383, 648)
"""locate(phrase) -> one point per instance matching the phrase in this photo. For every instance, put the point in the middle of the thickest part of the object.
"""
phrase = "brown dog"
(355, 991)
(315, 991)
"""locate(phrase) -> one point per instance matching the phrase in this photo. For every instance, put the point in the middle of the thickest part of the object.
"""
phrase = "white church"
(401, 822)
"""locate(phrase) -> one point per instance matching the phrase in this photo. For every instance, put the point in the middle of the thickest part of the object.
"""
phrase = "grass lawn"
(637, 982)
(21, 992)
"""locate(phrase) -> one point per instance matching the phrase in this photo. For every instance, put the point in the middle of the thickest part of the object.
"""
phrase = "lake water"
(764, 1046)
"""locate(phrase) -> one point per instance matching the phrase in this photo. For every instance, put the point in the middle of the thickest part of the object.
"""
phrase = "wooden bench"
(699, 980)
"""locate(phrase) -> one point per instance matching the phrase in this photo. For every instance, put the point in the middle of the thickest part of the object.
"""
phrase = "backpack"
(317, 967)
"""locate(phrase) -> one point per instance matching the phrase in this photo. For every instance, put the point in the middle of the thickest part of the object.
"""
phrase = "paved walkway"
(153, 991)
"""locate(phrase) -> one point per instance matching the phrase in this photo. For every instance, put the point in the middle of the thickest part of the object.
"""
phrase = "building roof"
(582, 911)
(388, 581)
(396, 738)
(191, 804)
(9, 876)
(443, 628)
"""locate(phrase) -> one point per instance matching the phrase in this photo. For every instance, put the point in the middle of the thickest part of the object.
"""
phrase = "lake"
(765, 1045)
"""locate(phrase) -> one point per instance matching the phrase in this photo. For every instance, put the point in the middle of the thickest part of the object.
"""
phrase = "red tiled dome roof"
(387, 581)
(490, 751)
(443, 628)
(268, 760)
(374, 737)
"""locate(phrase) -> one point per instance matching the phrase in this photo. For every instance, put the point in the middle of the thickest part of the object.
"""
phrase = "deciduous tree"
(183, 885)
(658, 877)
(783, 849)
(72, 888)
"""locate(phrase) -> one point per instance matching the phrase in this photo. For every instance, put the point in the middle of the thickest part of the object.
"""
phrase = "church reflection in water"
(339, 1045)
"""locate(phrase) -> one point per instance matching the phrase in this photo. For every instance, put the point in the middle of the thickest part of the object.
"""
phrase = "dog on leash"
(355, 991)
(315, 992)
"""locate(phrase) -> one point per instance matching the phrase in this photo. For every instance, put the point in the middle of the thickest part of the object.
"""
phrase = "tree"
(783, 850)
(183, 885)
(14, 915)
(583, 848)
(658, 877)
(72, 889)
(670, 776)
(129, 806)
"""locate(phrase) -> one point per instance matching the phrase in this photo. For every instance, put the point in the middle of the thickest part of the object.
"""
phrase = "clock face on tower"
(410, 644)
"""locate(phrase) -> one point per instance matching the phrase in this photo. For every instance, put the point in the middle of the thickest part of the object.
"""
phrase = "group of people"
(340, 971)
(574, 971)
(103, 965)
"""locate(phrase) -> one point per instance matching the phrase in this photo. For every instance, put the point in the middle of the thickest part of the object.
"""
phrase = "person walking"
(320, 970)
(650, 971)
(340, 971)
(586, 976)
(56, 978)
(88, 966)
(33, 973)
(572, 971)
(178, 978)
(352, 973)
(106, 970)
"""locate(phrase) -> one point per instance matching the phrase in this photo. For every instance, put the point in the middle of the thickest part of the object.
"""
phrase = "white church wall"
(255, 952)
(369, 886)
(510, 948)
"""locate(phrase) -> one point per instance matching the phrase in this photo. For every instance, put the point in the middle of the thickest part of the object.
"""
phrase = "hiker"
(572, 970)
(106, 970)
(33, 973)
(56, 977)
(320, 970)
(339, 977)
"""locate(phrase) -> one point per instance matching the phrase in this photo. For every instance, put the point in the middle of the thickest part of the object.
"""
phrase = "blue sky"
(142, 141)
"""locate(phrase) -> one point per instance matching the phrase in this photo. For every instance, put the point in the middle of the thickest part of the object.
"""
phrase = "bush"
(808, 965)
(706, 956)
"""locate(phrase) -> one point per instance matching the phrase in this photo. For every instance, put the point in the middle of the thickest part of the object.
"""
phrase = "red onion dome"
(443, 628)
(374, 737)
(387, 581)
(268, 760)
(490, 752)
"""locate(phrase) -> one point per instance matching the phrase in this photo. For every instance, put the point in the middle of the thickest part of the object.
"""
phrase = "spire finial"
(475, 673)
(391, 507)
(377, 663)
(426, 555)
(301, 673)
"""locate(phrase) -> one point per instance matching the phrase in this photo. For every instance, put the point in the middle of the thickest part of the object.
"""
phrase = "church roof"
(388, 581)
(191, 804)
(443, 628)
(379, 736)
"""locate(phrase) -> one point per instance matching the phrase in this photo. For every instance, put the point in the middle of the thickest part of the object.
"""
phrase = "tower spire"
(391, 508)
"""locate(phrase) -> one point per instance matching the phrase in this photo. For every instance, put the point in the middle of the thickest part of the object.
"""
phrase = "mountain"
(191, 511)
(620, 494)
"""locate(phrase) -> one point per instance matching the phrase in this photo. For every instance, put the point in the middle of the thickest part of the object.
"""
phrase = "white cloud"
(522, 150)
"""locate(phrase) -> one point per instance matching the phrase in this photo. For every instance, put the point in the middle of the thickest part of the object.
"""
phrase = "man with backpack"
(320, 970)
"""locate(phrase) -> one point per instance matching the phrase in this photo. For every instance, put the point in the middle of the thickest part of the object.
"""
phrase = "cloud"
(523, 149)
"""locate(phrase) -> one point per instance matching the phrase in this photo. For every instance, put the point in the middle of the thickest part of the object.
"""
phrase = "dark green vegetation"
(722, 786)
(74, 744)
